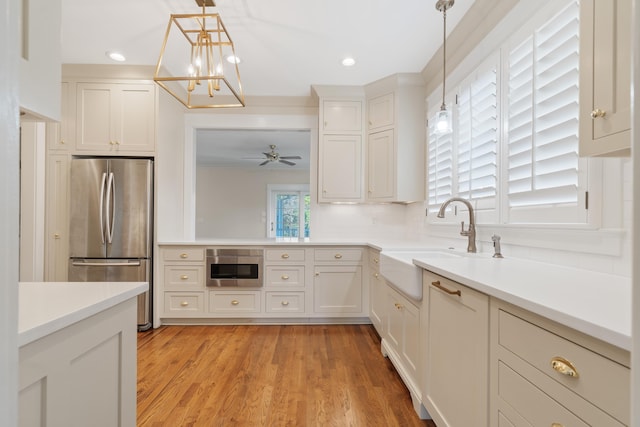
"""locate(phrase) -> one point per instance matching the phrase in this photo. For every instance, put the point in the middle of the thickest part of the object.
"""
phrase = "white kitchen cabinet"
(340, 168)
(402, 334)
(395, 148)
(544, 373)
(455, 323)
(338, 285)
(82, 375)
(340, 151)
(182, 282)
(61, 135)
(341, 116)
(57, 218)
(377, 297)
(381, 166)
(605, 77)
(115, 118)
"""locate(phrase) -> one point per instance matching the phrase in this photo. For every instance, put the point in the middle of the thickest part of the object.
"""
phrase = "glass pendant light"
(443, 118)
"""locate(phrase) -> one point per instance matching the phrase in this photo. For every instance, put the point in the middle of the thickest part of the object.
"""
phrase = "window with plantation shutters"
(440, 166)
(543, 167)
(477, 139)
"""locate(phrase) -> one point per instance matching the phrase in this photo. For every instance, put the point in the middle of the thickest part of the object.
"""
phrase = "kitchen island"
(77, 353)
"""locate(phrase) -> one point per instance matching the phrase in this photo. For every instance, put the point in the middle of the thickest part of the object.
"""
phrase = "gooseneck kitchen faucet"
(471, 232)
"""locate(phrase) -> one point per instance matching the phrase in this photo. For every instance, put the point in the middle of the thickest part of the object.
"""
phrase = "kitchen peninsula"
(77, 353)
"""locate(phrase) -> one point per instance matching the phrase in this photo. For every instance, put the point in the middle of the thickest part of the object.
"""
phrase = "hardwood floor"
(307, 375)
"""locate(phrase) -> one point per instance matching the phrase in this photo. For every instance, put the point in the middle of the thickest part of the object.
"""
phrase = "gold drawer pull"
(235, 302)
(399, 306)
(184, 304)
(285, 256)
(565, 367)
(184, 277)
(376, 260)
(285, 303)
(376, 275)
(598, 113)
(557, 425)
(337, 256)
(285, 277)
(442, 288)
(183, 256)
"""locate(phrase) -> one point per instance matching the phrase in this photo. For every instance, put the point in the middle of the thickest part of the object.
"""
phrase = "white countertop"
(46, 307)
(596, 304)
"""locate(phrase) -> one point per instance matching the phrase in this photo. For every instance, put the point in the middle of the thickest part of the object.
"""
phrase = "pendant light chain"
(444, 54)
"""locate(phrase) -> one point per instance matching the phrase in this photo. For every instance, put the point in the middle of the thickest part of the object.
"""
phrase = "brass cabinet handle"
(442, 288)
(563, 366)
(399, 306)
(285, 256)
(376, 275)
(285, 277)
(285, 303)
(376, 260)
(56, 235)
(337, 256)
(184, 304)
(557, 425)
(184, 277)
(183, 256)
(598, 113)
(235, 302)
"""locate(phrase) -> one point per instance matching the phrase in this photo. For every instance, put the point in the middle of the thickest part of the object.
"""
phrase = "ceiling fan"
(273, 156)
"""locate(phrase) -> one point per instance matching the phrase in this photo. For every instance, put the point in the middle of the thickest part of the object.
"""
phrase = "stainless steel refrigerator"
(111, 228)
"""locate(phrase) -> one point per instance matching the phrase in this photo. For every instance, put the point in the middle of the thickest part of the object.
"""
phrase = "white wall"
(232, 202)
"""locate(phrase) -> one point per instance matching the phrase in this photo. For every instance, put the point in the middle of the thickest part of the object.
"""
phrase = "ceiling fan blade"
(286, 162)
(291, 157)
(264, 163)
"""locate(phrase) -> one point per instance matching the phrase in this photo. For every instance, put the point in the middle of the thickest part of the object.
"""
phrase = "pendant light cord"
(444, 55)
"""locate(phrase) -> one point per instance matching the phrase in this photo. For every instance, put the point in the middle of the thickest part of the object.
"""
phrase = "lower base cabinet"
(84, 374)
(546, 374)
(456, 361)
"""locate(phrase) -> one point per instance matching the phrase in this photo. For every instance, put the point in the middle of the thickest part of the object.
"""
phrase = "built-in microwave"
(235, 267)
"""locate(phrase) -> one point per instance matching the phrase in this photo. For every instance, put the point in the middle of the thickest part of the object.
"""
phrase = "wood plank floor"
(256, 375)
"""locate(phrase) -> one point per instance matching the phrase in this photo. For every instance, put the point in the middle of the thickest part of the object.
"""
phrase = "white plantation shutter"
(477, 135)
(440, 166)
(543, 163)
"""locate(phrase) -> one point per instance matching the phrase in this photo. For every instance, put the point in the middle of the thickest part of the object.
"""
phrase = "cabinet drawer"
(234, 302)
(338, 254)
(285, 302)
(285, 275)
(183, 254)
(184, 302)
(184, 276)
(284, 255)
(601, 381)
(531, 403)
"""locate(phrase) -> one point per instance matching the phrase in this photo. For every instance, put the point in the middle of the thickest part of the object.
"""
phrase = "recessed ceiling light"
(348, 61)
(115, 55)
(233, 59)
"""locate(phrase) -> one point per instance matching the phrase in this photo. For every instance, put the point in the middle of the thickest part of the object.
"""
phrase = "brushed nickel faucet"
(471, 231)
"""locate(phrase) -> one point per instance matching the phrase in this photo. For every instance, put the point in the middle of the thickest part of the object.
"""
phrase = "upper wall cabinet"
(340, 152)
(115, 118)
(395, 148)
(40, 63)
(605, 77)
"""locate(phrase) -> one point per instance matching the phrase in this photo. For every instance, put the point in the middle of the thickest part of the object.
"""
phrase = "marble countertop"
(596, 304)
(46, 307)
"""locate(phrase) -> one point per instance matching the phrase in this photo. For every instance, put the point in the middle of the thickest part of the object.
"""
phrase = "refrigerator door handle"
(111, 204)
(101, 210)
(105, 264)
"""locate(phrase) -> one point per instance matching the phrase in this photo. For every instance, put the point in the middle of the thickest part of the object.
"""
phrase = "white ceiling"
(285, 46)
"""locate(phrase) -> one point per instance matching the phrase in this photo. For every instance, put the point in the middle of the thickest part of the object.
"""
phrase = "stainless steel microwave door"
(87, 235)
